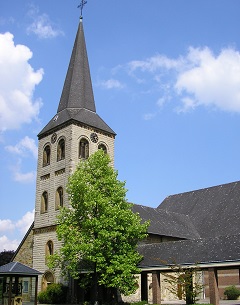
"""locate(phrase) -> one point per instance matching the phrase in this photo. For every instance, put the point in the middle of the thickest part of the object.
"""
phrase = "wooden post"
(144, 287)
(213, 286)
(156, 287)
(10, 292)
(36, 290)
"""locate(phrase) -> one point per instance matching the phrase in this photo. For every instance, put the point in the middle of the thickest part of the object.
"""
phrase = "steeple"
(77, 91)
(77, 103)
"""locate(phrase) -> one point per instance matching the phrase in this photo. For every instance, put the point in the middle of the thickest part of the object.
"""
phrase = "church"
(199, 227)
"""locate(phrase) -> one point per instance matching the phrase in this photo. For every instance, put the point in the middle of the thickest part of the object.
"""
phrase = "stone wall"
(25, 251)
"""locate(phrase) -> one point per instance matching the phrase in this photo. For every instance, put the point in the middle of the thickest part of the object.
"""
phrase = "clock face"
(54, 138)
(94, 137)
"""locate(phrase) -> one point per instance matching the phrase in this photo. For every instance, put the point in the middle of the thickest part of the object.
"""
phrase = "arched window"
(61, 150)
(83, 149)
(103, 147)
(44, 202)
(47, 279)
(59, 198)
(46, 155)
(49, 248)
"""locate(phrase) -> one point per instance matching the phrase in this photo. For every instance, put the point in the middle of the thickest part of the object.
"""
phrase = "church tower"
(75, 132)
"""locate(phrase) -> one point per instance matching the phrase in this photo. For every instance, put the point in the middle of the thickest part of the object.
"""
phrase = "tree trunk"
(95, 294)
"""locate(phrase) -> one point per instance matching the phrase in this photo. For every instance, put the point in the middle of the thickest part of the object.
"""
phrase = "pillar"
(144, 286)
(156, 287)
(213, 286)
(10, 291)
(36, 290)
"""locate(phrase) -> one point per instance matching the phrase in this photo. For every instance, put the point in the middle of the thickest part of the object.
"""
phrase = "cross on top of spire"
(81, 5)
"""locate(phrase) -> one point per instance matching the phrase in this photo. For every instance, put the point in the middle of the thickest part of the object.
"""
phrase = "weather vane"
(81, 5)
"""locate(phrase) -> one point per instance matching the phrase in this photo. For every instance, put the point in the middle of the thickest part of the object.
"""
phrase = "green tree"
(99, 232)
(6, 256)
(185, 283)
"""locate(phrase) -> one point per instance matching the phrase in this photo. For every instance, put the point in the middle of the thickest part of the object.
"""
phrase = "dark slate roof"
(77, 100)
(76, 116)
(16, 268)
(214, 211)
(77, 91)
(167, 223)
(223, 249)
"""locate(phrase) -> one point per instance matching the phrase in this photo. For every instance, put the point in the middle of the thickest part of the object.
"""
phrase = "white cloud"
(25, 145)
(111, 83)
(42, 26)
(153, 63)
(20, 226)
(149, 116)
(17, 83)
(161, 101)
(25, 177)
(200, 78)
(7, 244)
(9, 20)
(212, 80)
(6, 225)
(19, 176)
(188, 104)
(25, 222)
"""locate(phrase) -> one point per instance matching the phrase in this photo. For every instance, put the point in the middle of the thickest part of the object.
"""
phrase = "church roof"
(214, 211)
(223, 250)
(77, 103)
(166, 223)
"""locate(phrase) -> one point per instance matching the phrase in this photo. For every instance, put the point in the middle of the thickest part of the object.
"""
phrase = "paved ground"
(205, 301)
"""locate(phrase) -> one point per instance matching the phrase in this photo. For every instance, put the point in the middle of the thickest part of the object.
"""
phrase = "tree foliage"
(5, 257)
(99, 232)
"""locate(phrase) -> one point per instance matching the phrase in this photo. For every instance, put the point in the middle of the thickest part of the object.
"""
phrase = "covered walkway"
(211, 254)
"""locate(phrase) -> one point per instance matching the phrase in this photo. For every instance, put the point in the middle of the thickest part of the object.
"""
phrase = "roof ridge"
(205, 188)
(13, 266)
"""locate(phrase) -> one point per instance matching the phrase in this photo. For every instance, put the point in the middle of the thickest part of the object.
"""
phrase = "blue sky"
(166, 79)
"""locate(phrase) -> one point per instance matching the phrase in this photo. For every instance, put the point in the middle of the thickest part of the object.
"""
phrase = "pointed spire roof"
(77, 91)
(77, 100)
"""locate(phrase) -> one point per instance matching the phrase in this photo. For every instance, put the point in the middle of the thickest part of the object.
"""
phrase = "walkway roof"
(16, 268)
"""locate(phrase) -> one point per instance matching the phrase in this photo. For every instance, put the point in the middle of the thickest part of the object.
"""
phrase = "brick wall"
(225, 278)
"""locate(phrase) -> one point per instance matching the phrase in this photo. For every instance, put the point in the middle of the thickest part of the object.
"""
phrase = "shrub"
(232, 292)
(54, 294)
(43, 298)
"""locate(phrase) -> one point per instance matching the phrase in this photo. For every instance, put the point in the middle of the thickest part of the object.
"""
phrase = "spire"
(77, 103)
(77, 91)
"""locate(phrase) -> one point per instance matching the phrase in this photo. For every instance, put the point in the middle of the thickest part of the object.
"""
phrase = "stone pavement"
(204, 301)
(180, 302)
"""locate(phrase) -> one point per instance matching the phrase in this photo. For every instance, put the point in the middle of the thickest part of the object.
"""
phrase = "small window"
(49, 248)
(46, 155)
(61, 150)
(83, 149)
(25, 286)
(103, 147)
(59, 198)
(44, 202)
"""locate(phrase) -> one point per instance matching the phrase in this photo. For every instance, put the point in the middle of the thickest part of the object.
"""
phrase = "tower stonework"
(75, 132)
